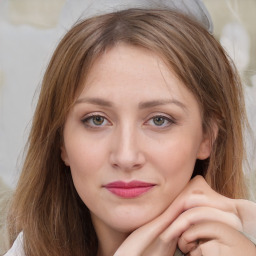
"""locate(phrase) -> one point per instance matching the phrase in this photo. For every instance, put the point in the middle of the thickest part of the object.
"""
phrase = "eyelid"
(90, 116)
(169, 118)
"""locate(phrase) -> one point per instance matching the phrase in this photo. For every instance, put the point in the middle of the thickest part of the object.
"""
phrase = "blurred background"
(31, 29)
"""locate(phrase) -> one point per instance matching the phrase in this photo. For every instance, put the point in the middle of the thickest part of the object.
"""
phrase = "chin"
(127, 228)
(128, 222)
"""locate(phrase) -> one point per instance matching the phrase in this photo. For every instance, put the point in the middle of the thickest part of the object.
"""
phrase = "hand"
(247, 214)
(215, 239)
(199, 196)
(196, 204)
(217, 225)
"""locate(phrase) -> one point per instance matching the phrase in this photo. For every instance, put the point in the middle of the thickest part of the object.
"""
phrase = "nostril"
(127, 162)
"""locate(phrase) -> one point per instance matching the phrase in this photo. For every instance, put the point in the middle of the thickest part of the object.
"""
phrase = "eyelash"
(86, 121)
(165, 119)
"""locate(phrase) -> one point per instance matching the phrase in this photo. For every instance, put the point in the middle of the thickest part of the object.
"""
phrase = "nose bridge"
(126, 153)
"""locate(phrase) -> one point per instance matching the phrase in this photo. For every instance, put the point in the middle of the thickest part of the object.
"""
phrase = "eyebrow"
(95, 101)
(142, 105)
(160, 102)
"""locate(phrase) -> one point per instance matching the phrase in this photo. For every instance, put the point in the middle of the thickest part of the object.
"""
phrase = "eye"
(160, 121)
(95, 121)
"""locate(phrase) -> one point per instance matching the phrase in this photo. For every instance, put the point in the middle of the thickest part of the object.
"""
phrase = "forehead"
(134, 70)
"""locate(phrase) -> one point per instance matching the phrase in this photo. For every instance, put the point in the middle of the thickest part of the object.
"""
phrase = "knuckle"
(164, 239)
(184, 240)
(237, 224)
(198, 179)
(193, 198)
(199, 182)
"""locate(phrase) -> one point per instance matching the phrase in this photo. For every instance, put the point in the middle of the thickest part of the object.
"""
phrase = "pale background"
(29, 32)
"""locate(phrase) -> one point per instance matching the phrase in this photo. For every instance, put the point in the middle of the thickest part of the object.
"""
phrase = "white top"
(17, 247)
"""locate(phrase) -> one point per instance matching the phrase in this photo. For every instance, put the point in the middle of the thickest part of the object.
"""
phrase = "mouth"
(131, 189)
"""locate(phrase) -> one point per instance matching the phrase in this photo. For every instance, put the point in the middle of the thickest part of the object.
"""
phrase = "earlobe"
(207, 142)
(64, 156)
(204, 149)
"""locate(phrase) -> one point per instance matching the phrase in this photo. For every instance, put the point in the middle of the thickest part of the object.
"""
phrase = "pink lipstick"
(129, 189)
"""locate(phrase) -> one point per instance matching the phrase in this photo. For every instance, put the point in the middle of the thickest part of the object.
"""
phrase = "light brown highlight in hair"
(46, 206)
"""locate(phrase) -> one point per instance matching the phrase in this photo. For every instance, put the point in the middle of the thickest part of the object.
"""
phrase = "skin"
(201, 222)
(134, 120)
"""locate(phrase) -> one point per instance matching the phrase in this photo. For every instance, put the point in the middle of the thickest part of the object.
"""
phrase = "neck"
(108, 239)
(109, 243)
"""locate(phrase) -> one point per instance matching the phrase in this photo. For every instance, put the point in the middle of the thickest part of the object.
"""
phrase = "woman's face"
(132, 138)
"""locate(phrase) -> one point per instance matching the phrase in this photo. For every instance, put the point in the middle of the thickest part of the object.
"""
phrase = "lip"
(130, 189)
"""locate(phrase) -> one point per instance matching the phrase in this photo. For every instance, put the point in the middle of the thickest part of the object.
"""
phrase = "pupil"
(158, 120)
(98, 120)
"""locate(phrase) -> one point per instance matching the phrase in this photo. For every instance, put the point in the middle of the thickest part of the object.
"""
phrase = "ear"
(64, 156)
(209, 137)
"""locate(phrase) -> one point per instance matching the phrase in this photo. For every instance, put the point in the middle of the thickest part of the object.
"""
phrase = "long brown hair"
(46, 206)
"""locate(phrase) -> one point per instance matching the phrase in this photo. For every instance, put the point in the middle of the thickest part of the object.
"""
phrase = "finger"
(198, 215)
(210, 248)
(157, 247)
(216, 239)
(199, 193)
(195, 252)
(196, 193)
(247, 213)
(203, 231)
(146, 235)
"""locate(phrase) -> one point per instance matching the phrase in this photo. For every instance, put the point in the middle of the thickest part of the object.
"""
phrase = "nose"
(127, 153)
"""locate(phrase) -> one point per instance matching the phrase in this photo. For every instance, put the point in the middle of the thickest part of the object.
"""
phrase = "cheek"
(85, 156)
(175, 165)
(176, 155)
(175, 161)
(87, 159)
(85, 164)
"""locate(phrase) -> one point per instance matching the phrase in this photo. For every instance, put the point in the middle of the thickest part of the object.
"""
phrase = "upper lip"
(131, 184)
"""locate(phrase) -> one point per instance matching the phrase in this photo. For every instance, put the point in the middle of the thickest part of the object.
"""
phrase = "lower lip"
(130, 192)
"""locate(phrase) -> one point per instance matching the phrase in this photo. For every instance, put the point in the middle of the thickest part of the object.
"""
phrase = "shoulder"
(17, 248)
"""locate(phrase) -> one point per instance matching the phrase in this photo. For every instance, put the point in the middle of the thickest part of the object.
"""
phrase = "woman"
(136, 145)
